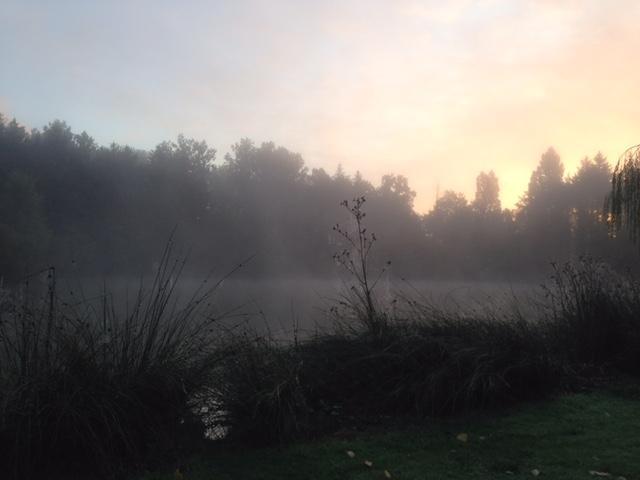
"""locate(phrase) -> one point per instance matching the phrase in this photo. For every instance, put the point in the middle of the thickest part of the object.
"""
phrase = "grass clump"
(90, 390)
(595, 314)
(259, 393)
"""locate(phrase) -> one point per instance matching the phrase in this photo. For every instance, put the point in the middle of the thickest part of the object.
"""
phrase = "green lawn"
(565, 438)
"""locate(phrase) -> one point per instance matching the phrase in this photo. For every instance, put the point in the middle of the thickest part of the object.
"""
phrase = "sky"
(433, 90)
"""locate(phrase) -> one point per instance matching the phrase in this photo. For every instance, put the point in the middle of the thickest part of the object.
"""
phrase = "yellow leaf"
(351, 453)
(463, 437)
(387, 474)
(368, 463)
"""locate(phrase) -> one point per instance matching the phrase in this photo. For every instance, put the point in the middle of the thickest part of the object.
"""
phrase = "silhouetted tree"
(97, 210)
(487, 194)
(398, 186)
(23, 232)
(491, 231)
(587, 191)
(447, 228)
(543, 215)
(623, 204)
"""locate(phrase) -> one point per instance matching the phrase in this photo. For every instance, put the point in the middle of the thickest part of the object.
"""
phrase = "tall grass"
(259, 393)
(89, 389)
(420, 360)
(595, 314)
(433, 363)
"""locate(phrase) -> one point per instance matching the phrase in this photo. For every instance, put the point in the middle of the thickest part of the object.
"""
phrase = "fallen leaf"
(463, 437)
(387, 474)
(596, 473)
(351, 453)
(368, 463)
(535, 472)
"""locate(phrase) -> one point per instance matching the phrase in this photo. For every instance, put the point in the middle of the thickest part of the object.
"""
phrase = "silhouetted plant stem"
(361, 243)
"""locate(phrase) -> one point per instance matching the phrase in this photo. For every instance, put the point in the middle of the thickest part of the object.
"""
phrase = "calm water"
(278, 306)
(281, 305)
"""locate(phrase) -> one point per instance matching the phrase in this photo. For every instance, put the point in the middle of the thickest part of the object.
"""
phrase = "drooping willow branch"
(623, 203)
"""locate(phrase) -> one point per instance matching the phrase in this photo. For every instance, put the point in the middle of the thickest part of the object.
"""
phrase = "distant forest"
(95, 210)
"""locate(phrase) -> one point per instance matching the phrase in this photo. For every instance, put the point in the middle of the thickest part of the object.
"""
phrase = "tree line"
(103, 210)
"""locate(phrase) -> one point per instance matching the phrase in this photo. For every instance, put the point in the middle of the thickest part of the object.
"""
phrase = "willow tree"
(623, 203)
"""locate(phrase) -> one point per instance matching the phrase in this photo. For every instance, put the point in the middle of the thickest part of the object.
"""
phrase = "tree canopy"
(97, 210)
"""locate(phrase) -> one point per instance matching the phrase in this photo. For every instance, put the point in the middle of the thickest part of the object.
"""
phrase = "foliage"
(623, 203)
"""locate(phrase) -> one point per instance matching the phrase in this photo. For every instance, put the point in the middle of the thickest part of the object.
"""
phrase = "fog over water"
(282, 307)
